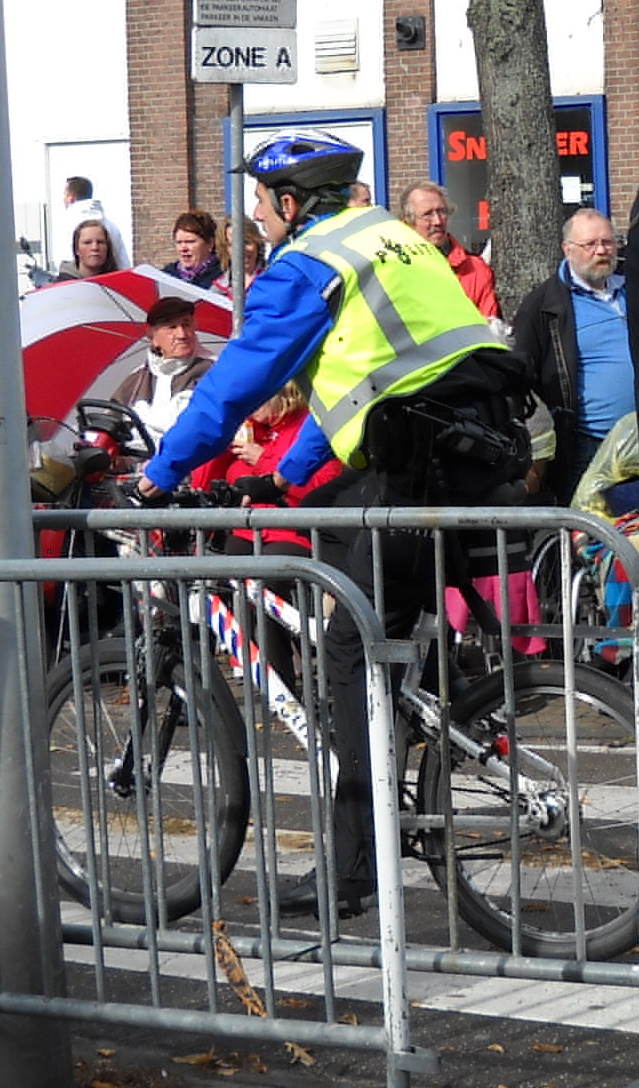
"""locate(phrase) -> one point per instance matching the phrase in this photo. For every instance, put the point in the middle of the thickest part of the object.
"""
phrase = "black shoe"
(353, 896)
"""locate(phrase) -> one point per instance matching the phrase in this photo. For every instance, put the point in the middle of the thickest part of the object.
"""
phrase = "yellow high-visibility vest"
(404, 321)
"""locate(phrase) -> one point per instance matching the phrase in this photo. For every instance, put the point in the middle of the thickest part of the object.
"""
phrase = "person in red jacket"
(425, 207)
(277, 423)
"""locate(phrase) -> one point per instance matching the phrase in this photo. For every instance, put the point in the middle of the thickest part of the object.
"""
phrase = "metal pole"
(33, 1053)
(237, 203)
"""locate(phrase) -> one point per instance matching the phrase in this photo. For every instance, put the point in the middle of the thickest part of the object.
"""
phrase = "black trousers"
(408, 584)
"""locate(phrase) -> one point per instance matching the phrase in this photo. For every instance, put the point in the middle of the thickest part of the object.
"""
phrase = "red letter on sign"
(578, 143)
(483, 211)
(457, 145)
(476, 147)
(562, 143)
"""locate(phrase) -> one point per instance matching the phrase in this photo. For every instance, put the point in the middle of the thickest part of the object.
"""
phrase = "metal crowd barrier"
(273, 941)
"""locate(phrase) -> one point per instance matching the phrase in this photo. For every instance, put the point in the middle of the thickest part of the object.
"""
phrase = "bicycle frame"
(285, 705)
(231, 638)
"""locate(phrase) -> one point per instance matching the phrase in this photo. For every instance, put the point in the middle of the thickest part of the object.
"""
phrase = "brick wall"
(159, 123)
(210, 108)
(621, 43)
(176, 128)
(410, 89)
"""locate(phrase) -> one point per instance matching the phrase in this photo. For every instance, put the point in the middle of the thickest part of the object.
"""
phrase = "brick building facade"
(410, 88)
(176, 126)
(621, 63)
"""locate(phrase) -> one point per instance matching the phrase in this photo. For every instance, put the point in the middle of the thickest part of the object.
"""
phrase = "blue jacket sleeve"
(310, 450)
(286, 320)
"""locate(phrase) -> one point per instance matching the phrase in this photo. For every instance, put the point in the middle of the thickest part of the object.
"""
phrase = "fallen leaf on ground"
(295, 1003)
(349, 1018)
(232, 967)
(548, 1048)
(299, 1054)
(498, 1048)
(296, 840)
(256, 1062)
(197, 1059)
(104, 1053)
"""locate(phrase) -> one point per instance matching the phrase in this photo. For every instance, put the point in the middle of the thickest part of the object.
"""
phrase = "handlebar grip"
(132, 492)
(221, 493)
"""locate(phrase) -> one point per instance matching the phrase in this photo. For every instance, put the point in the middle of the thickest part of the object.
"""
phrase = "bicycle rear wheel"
(546, 575)
(605, 770)
(98, 807)
(585, 605)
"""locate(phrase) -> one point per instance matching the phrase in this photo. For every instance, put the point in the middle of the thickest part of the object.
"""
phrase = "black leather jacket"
(544, 328)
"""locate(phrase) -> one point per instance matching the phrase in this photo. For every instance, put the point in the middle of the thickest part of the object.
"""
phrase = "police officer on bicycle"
(370, 321)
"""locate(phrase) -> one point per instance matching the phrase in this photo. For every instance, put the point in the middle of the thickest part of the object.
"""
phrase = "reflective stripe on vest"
(395, 332)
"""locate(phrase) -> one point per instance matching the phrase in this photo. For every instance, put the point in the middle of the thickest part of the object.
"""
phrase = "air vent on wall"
(336, 47)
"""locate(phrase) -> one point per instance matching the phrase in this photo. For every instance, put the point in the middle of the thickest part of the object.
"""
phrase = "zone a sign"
(244, 41)
(244, 55)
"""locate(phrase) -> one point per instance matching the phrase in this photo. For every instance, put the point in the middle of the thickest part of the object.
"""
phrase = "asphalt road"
(475, 1051)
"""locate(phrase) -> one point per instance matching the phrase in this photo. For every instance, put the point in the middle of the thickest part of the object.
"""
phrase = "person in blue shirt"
(363, 315)
(574, 328)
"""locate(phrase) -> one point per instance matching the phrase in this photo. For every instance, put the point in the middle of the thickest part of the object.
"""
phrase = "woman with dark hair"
(92, 252)
(194, 239)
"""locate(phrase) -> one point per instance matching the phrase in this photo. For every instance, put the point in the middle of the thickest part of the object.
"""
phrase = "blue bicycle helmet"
(311, 160)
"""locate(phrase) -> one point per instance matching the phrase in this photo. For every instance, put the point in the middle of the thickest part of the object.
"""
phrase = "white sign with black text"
(265, 13)
(243, 55)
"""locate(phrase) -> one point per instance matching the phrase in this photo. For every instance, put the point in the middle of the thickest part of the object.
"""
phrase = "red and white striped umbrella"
(81, 338)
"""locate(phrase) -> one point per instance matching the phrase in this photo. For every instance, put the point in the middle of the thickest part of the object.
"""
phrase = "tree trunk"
(523, 166)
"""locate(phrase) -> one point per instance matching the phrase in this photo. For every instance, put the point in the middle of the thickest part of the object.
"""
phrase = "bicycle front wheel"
(552, 886)
(134, 805)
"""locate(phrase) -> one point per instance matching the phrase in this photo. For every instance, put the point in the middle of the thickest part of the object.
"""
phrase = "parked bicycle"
(545, 826)
(584, 596)
(137, 714)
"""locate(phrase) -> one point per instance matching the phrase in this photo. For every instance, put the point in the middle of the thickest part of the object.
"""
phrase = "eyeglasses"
(441, 213)
(599, 243)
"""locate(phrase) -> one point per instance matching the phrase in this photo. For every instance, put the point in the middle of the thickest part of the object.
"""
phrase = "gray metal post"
(33, 1052)
(237, 203)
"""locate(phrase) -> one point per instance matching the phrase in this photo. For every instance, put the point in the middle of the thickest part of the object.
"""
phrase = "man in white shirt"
(80, 205)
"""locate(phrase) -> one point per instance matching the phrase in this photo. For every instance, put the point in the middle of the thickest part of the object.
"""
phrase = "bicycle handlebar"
(220, 494)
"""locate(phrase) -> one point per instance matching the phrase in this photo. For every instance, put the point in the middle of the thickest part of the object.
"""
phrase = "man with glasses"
(574, 327)
(425, 207)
